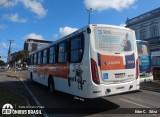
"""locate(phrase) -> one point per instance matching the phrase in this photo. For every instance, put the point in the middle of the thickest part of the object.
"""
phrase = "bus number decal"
(130, 61)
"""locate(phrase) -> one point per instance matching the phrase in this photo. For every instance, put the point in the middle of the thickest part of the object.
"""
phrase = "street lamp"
(89, 13)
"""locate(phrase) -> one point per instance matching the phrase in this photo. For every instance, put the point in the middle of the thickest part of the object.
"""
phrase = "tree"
(20, 55)
(2, 63)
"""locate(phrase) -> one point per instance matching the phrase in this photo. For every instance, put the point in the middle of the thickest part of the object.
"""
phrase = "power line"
(5, 2)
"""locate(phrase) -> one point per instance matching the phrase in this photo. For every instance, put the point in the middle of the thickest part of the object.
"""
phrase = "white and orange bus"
(95, 61)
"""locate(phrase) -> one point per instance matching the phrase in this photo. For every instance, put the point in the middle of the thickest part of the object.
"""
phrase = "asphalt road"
(62, 104)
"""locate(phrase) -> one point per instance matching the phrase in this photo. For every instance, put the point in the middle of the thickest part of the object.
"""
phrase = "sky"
(53, 19)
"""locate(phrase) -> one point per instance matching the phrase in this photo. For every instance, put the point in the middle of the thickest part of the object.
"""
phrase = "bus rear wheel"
(51, 85)
(31, 76)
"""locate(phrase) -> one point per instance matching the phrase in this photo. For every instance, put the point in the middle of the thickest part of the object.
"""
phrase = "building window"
(45, 56)
(62, 53)
(154, 31)
(143, 34)
(76, 49)
(52, 55)
(30, 47)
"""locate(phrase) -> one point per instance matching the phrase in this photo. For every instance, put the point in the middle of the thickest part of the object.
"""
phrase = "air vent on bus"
(95, 75)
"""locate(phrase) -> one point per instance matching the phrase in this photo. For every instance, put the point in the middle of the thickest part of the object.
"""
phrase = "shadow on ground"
(151, 86)
(59, 103)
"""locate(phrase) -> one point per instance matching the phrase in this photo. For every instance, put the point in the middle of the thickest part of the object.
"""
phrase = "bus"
(155, 56)
(144, 61)
(94, 61)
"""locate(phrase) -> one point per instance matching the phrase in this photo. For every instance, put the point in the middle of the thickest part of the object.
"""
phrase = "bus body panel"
(76, 78)
(111, 89)
(114, 67)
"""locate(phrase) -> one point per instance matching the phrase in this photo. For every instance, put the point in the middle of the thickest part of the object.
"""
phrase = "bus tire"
(31, 76)
(51, 85)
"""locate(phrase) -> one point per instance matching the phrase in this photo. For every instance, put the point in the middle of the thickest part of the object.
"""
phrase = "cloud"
(63, 31)
(8, 3)
(34, 36)
(101, 5)
(66, 30)
(123, 25)
(56, 36)
(14, 18)
(4, 45)
(2, 27)
(35, 6)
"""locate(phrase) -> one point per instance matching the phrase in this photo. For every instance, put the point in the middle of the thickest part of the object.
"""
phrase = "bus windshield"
(113, 40)
(144, 59)
(142, 49)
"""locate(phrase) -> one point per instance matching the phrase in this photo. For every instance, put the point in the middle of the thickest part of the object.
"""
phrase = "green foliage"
(20, 55)
(2, 63)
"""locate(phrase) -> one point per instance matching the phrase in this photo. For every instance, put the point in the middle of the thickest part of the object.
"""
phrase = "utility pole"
(89, 14)
(9, 51)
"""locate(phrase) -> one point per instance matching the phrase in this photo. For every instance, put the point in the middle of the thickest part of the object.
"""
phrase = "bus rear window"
(142, 49)
(114, 40)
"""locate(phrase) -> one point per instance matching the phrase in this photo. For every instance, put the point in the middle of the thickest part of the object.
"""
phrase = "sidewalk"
(14, 83)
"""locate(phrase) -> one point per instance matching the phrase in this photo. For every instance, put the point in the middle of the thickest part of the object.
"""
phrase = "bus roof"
(139, 41)
(78, 32)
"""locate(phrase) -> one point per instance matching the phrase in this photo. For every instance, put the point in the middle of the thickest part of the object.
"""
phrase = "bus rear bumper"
(112, 89)
(147, 79)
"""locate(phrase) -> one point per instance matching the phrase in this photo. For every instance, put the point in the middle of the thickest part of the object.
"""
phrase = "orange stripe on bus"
(56, 70)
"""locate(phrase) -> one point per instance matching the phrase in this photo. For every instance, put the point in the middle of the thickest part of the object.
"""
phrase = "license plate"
(120, 89)
(119, 75)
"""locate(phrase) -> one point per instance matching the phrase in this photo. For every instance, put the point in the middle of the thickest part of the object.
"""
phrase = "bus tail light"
(151, 70)
(137, 69)
(95, 75)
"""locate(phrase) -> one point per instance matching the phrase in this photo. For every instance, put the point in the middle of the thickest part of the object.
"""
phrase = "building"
(147, 28)
(34, 44)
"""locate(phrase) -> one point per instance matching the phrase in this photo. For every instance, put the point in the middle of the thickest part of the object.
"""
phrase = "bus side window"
(62, 53)
(45, 56)
(39, 57)
(30, 59)
(35, 59)
(76, 50)
(52, 55)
